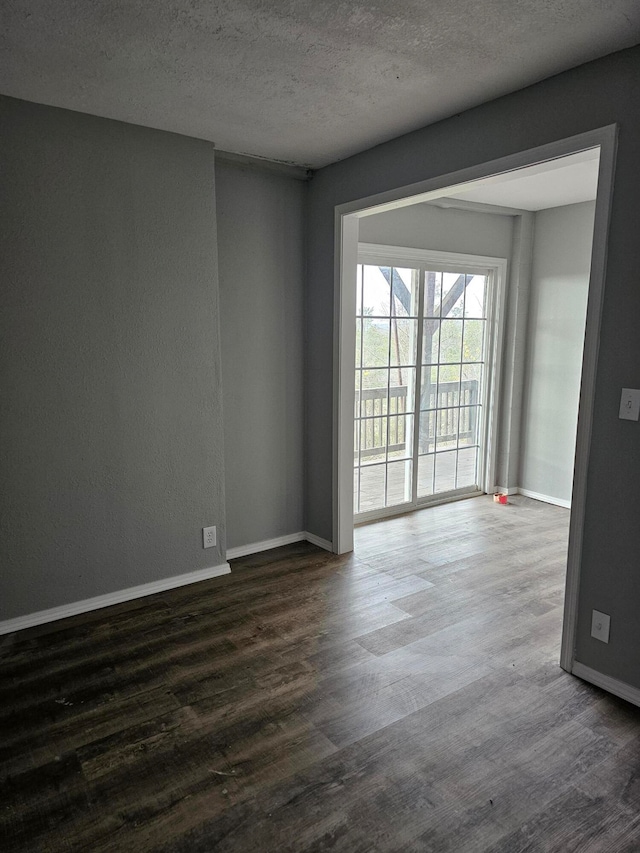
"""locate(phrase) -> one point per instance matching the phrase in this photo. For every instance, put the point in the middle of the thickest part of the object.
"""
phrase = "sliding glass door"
(423, 341)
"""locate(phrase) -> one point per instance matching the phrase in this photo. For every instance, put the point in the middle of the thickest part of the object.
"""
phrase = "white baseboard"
(505, 490)
(611, 685)
(76, 607)
(265, 545)
(527, 493)
(316, 540)
(41, 617)
(268, 544)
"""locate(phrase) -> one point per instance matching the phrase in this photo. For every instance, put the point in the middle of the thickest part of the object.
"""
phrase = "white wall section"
(427, 226)
(555, 337)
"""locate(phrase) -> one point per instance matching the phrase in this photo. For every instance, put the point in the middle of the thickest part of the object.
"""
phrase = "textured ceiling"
(303, 81)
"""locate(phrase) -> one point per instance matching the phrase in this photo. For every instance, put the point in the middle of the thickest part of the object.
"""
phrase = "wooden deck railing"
(384, 427)
(373, 435)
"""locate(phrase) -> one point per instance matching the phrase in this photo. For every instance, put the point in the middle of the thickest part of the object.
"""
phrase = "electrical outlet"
(600, 623)
(208, 537)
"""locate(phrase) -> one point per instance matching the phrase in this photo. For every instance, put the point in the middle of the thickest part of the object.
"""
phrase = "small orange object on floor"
(500, 499)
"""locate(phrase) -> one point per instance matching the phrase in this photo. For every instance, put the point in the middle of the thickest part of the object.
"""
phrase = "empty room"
(246, 602)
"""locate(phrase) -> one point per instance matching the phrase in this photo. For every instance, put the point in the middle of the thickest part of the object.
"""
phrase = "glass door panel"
(451, 394)
(387, 320)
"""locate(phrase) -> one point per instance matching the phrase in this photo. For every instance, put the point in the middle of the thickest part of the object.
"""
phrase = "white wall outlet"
(600, 623)
(630, 404)
(209, 537)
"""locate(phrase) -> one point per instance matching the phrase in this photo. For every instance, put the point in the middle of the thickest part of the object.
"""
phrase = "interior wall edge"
(274, 166)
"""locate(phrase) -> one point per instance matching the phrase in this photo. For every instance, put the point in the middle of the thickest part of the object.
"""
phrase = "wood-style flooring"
(406, 697)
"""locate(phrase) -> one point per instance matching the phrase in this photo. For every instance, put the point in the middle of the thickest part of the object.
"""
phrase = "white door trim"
(608, 147)
(346, 231)
(437, 261)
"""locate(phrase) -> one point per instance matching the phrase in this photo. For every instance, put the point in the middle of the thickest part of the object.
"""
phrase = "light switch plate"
(630, 404)
(600, 623)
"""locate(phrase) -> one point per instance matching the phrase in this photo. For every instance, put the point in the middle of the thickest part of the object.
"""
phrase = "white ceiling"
(568, 180)
(301, 81)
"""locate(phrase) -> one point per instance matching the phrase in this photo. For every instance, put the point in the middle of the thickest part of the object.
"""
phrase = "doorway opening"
(461, 190)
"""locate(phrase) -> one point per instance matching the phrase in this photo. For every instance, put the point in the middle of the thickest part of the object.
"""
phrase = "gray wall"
(593, 95)
(557, 313)
(261, 268)
(111, 434)
(426, 226)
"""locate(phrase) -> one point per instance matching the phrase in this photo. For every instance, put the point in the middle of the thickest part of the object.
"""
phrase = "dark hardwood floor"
(406, 697)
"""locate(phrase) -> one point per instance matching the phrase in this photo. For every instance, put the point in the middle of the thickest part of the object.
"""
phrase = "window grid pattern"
(453, 361)
(449, 314)
(386, 351)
